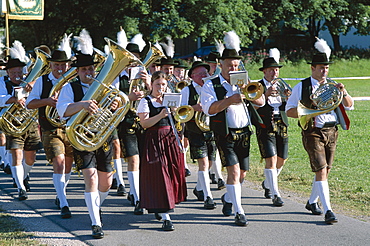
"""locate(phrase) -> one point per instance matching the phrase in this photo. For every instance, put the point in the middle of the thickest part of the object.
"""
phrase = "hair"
(158, 75)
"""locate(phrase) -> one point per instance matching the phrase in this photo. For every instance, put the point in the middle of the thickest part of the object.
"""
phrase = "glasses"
(201, 74)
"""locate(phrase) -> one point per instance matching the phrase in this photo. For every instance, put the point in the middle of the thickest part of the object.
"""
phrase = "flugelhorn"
(89, 132)
(326, 98)
(15, 120)
(283, 89)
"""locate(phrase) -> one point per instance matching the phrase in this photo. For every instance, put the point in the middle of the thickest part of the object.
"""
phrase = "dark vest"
(47, 85)
(9, 85)
(124, 84)
(218, 123)
(305, 98)
(193, 99)
(267, 112)
(153, 111)
(78, 93)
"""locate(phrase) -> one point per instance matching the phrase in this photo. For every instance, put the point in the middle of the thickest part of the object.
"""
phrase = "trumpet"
(283, 89)
(326, 98)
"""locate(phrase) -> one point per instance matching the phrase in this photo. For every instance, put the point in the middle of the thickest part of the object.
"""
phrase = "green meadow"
(349, 180)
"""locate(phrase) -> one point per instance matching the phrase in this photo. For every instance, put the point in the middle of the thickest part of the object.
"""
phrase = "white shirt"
(185, 93)
(236, 115)
(4, 96)
(319, 120)
(37, 88)
(274, 102)
(144, 106)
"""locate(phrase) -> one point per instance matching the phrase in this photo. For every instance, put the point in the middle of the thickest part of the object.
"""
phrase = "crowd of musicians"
(150, 134)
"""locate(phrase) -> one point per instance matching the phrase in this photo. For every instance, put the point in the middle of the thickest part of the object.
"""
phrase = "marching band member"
(96, 166)
(320, 137)
(162, 180)
(272, 140)
(230, 124)
(202, 145)
(23, 146)
(58, 150)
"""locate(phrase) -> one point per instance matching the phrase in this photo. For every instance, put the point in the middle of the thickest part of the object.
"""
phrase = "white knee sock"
(166, 216)
(323, 189)
(118, 174)
(314, 193)
(278, 170)
(18, 174)
(59, 185)
(198, 187)
(27, 169)
(102, 196)
(134, 180)
(8, 158)
(235, 194)
(267, 182)
(92, 202)
(67, 177)
(217, 167)
(185, 161)
(203, 179)
(271, 176)
(227, 198)
(2, 154)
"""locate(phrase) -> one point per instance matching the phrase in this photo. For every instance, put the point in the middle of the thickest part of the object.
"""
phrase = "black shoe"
(277, 201)
(2, 166)
(199, 194)
(227, 208)
(187, 172)
(114, 184)
(121, 190)
(65, 213)
(27, 184)
(314, 208)
(22, 195)
(57, 202)
(158, 216)
(7, 169)
(209, 203)
(97, 232)
(240, 220)
(330, 217)
(268, 193)
(138, 210)
(212, 177)
(167, 225)
(14, 183)
(131, 198)
(221, 184)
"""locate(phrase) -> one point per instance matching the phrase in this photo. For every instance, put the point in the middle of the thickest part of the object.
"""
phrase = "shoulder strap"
(218, 123)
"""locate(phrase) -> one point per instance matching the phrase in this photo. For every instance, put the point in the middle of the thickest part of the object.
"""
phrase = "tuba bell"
(326, 98)
(15, 120)
(89, 132)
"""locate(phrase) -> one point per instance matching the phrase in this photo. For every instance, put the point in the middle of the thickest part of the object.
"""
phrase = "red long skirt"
(162, 171)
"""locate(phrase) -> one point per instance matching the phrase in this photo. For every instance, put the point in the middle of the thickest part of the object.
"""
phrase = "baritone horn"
(89, 132)
(15, 120)
(283, 89)
(326, 98)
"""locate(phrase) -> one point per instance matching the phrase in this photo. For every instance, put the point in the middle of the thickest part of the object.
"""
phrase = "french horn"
(15, 119)
(89, 132)
(326, 98)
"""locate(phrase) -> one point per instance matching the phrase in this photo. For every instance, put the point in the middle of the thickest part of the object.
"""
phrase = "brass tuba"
(153, 54)
(283, 89)
(15, 120)
(326, 98)
(183, 114)
(89, 132)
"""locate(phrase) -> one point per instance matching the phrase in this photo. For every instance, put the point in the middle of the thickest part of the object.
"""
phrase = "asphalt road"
(268, 225)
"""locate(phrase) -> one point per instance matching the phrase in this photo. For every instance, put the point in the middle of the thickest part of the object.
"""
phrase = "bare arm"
(293, 113)
(73, 108)
(147, 121)
(38, 103)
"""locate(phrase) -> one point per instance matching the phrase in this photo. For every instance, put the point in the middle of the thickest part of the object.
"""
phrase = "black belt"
(239, 130)
(330, 124)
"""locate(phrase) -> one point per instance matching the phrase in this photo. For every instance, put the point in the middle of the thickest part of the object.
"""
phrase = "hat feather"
(85, 45)
(65, 45)
(158, 46)
(322, 46)
(122, 38)
(232, 41)
(219, 46)
(138, 39)
(18, 52)
(275, 53)
(169, 48)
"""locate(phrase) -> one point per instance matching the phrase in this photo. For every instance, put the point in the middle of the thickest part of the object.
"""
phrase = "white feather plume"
(323, 47)
(18, 52)
(195, 58)
(138, 39)
(169, 48)
(65, 45)
(85, 45)
(122, 38)
(219, 46)
(232, 41)
(275, 53)
(158, 46)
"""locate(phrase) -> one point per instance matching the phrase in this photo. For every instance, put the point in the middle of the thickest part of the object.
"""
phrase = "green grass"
(11, 232)
(349, 179)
